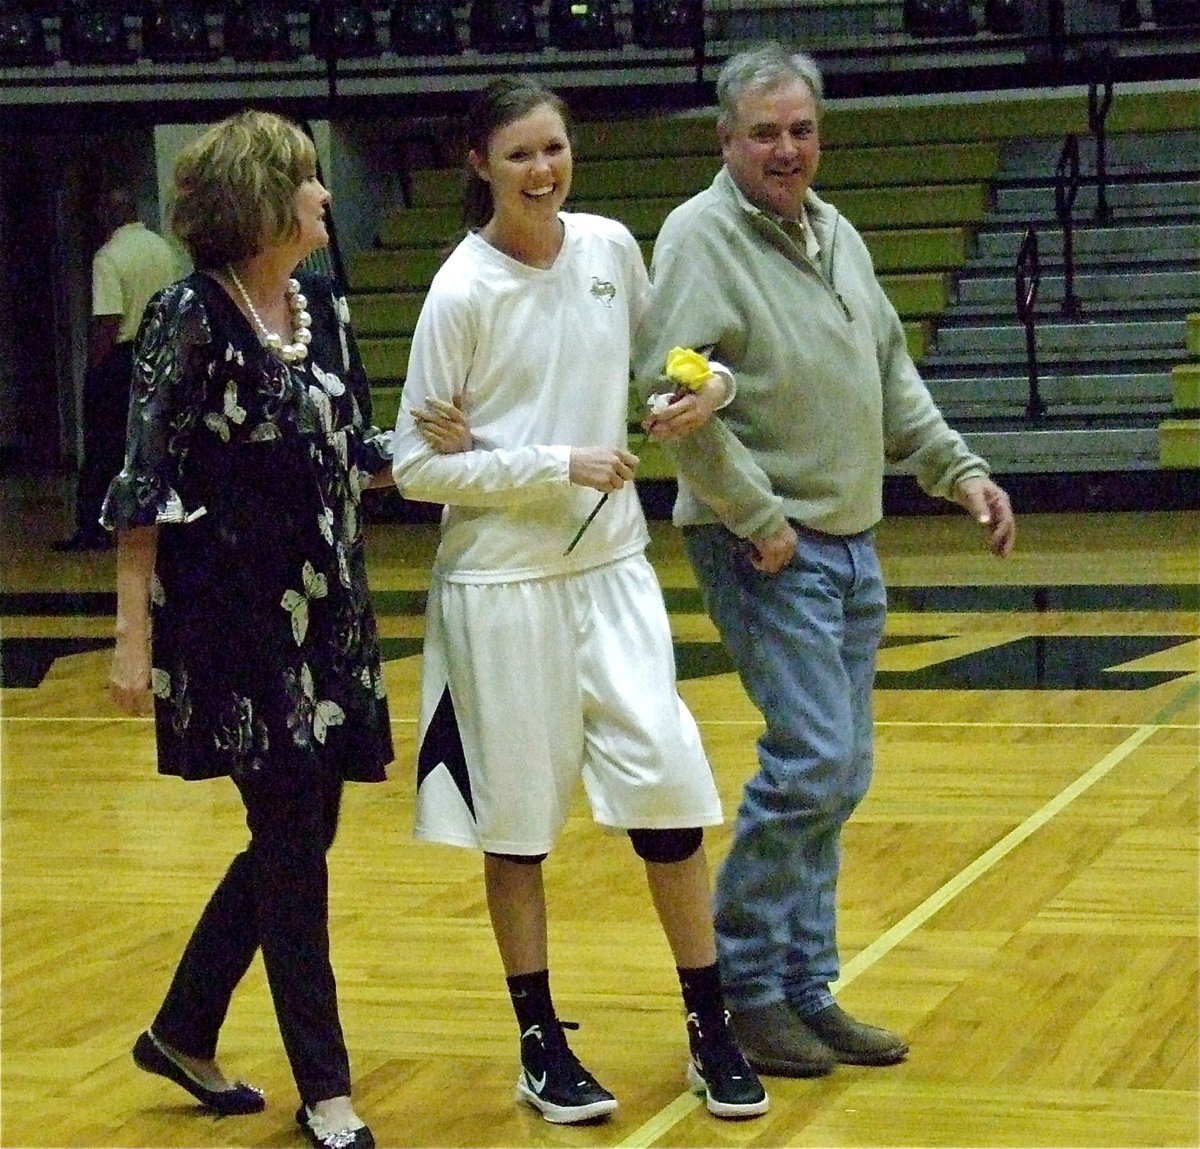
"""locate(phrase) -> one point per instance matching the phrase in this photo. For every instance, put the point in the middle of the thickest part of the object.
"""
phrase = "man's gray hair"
(765, 66)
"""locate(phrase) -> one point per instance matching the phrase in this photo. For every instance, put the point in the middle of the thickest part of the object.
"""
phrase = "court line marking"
(649, 1132)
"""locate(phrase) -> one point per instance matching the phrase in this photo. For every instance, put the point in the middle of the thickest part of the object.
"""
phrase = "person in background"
(778, 497)
(243, 610)
(548, 655)
(131, 265)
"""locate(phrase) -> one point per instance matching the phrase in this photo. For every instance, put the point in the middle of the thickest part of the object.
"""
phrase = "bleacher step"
(999, 246)
(1115, 340)
(1179, 443)
(385, 312)
(1034, 449)
(683, 175)
(884, 208)
(1185, 386)
(1132, 200)
(975, 397)
(385, 358)
(979, 295)
(1125, 156)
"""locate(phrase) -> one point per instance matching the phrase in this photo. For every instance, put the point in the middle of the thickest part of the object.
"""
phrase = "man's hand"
(772, 554)
(687, 411)
(988, 505)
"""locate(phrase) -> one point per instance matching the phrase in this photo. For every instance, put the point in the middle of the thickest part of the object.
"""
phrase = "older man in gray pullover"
(779, 494)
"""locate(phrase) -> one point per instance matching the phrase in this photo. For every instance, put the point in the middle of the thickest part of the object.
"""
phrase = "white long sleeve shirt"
(541, 359)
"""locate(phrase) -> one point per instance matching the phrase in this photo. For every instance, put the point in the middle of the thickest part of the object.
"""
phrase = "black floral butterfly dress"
(265, 651)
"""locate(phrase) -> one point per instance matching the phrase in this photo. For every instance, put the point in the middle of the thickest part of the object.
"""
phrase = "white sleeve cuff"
(727, 378)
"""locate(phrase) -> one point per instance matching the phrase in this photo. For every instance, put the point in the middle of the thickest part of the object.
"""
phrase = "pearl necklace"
(292, 352)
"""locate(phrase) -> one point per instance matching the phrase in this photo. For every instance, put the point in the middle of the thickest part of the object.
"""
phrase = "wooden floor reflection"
(1019, 890)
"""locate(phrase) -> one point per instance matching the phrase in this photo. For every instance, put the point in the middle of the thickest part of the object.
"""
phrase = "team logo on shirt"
(604, 291)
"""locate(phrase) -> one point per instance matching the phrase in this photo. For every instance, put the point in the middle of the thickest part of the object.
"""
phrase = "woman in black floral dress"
(240, 552)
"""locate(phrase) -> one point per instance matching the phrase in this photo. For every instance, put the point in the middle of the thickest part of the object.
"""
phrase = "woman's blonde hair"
(235, 187)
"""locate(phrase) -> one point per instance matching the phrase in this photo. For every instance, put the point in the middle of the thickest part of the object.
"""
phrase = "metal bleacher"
(939, 146)
(1105, 366)
(942, 191)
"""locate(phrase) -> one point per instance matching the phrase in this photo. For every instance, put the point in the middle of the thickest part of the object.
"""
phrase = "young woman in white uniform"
(546, 663)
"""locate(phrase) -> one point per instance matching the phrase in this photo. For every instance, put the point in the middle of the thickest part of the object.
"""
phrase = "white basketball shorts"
(528, 686)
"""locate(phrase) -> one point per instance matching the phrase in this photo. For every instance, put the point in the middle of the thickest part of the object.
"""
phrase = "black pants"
(105, 414)
(275, 895)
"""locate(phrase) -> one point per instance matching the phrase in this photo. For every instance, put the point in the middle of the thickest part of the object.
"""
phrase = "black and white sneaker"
(554, 1082)
(720, 1071)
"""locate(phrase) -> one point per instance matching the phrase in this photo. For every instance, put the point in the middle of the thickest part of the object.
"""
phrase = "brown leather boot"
(776, 1042)
(854, 1042)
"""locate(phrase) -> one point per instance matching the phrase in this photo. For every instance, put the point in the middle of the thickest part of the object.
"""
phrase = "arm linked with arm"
(689, 307)
(477, 478)
(439, 364)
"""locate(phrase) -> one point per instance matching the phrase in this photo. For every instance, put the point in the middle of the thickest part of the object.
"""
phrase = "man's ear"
(478, 165)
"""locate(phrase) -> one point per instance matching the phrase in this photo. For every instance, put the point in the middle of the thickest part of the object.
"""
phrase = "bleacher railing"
(1066, 188)
(1028, 278)
(1098, 106)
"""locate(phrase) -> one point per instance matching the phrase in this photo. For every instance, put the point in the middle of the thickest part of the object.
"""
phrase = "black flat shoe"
(321, 1137)
(237, 1099)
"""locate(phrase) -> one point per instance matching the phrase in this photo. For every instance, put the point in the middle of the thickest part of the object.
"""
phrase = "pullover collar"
(810, 235)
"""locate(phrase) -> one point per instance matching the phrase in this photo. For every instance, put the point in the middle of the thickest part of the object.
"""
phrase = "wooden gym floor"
(1019, 892)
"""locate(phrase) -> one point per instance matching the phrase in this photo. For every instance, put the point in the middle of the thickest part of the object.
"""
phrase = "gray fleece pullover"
(826, 390)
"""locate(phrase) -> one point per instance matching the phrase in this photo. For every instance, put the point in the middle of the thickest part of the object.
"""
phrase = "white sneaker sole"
(564, 1114)
(724, 1108)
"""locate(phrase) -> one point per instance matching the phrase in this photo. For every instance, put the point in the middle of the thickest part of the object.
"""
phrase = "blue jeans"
(804, 643)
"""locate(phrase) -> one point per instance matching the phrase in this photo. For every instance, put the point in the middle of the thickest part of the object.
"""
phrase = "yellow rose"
(687, 368)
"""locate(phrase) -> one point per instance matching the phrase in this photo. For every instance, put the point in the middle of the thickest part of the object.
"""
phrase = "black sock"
(703, 996)
(530, 993)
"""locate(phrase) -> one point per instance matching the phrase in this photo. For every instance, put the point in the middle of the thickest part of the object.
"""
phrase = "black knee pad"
(666, 845)
(519, 859)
